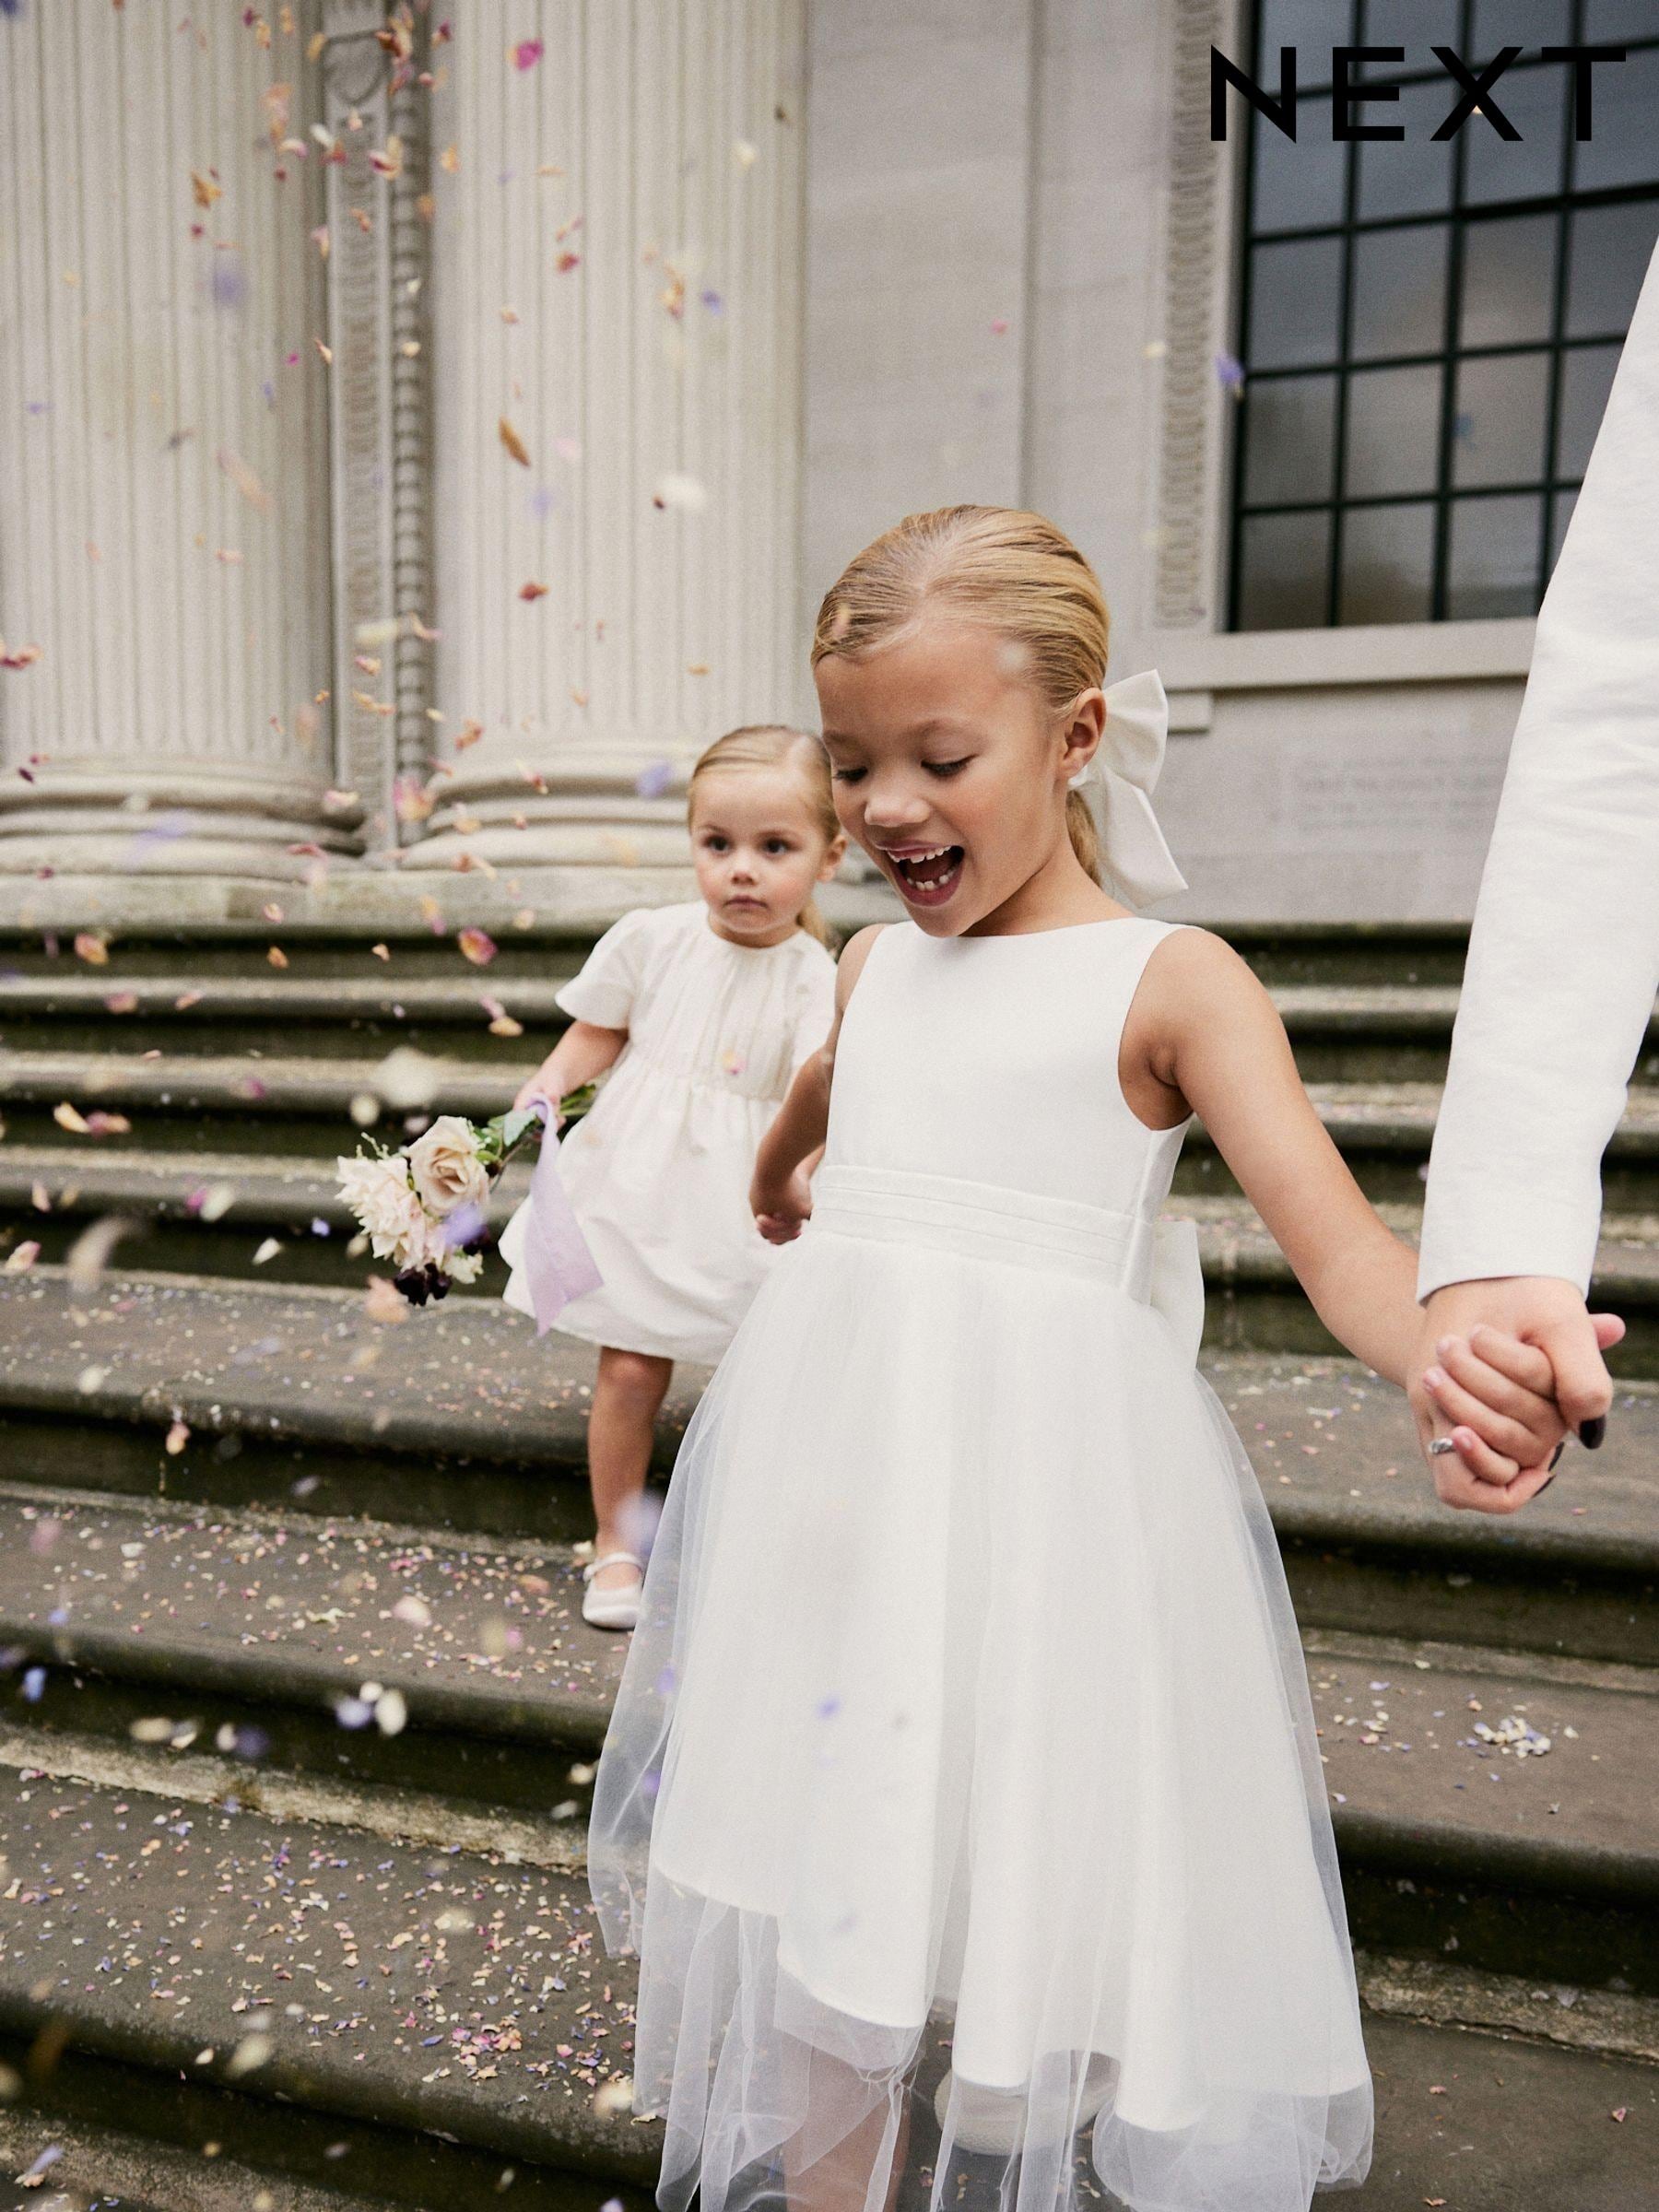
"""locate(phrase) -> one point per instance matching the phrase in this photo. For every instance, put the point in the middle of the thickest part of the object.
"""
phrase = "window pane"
(1418, 24)
(1387, 564)
(1609, 257)
(1609, 250)
(1294, 303)
(1313, 26)
(1410, 176)
(1290, 437)
(1393, 432)
(1300, 183)
(1586, 379)
(1285, 571)
(1565, 503)
(1518, 23)
(1509, 281)
(1494, 565)
(1625, 148)
(1618, 22)
(1399, 305)
(1502, 415)
(1536, 101)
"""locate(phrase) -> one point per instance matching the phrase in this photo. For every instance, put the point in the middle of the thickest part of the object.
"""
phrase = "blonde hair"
(775, 744)
(1002, 567)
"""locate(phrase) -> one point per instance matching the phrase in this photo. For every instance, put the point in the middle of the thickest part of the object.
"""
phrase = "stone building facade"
(421, 432)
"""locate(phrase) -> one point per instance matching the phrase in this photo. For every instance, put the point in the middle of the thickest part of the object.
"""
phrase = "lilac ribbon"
(557, 1264)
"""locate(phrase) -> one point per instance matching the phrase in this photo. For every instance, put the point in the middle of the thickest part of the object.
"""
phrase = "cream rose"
(378, 1192)
(446, 1167)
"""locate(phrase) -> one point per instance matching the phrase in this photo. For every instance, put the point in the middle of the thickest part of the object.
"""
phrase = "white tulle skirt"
(967, 1722)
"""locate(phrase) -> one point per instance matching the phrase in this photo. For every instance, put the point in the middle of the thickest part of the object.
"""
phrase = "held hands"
(1507, 1370)
(780, 1209)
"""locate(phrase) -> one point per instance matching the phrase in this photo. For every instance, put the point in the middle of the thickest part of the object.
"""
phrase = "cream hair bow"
(1118, 785)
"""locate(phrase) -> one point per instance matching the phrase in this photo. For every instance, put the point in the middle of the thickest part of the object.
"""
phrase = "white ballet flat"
(990, 2123)
(612, 1608)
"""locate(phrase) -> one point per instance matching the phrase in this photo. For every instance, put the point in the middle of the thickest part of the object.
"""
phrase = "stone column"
(617, 249)
(163, 446)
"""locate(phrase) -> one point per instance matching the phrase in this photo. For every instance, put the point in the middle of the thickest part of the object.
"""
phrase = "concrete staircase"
(227, 1087)
(298, 1716)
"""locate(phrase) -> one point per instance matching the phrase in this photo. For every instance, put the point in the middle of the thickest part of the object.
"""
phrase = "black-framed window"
(1429, 332)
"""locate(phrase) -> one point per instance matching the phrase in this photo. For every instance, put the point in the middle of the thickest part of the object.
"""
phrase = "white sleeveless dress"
(967, 1704)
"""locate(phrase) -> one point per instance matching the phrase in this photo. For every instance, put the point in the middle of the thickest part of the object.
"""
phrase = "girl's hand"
(1496, 1395)
(780, 1211)
(536, 1088)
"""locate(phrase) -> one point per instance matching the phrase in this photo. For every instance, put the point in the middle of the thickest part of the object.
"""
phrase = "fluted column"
(618, 248)
(163, 446)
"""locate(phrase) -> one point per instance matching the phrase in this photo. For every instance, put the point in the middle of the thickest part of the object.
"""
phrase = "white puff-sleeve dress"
(658, 1170)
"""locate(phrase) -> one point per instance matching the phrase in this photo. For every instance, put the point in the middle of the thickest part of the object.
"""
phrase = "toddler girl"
(702, 1011)
(966, 1690)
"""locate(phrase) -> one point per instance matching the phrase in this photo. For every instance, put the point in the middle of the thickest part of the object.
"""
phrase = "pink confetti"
(526, 53)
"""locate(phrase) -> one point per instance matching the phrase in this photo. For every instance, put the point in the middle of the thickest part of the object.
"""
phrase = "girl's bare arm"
(583, 1052)
(1203, 1034)
(779, 1193)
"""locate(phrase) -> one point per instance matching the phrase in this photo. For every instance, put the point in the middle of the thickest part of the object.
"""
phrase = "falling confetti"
(688, 493)
(514, 443)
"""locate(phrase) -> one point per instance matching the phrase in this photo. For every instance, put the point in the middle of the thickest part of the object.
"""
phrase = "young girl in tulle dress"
(702, 1012)
(967, 1695)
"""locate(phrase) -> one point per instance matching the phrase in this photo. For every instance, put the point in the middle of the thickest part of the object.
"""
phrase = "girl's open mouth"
(929, 879)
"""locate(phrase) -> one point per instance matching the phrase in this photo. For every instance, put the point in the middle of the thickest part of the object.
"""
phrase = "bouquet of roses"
(426, 1207)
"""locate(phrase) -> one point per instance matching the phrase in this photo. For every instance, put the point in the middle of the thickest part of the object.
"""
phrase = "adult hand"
(1499, 1343)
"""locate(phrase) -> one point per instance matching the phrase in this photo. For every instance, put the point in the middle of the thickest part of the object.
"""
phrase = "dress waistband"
(1154, 1262)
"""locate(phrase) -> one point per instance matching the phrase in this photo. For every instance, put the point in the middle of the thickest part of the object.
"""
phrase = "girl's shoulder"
(1192, 977)
(853, 955)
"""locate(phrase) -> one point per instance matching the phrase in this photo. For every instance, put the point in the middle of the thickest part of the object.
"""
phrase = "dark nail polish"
(1543, 1486)
(1554, 1459)
(1591, 1432)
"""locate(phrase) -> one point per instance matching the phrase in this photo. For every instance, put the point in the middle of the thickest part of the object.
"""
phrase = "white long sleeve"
(1564, 954)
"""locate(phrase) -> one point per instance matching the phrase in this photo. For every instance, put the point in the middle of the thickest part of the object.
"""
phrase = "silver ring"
(1439, 1445)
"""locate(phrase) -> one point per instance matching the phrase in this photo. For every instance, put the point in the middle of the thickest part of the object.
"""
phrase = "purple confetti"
(653, 779)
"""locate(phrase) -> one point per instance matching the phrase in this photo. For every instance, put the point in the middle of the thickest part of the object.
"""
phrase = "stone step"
(1375, 1031)
(1360, 1033)
(254, 1636)
(1253, 1301)
(284, 1105)
(1334, 953)
(235, 1214)
(259, 1630)
(409, 2021)
(459, 1418)
(1383, 1032)
(295, 1107)
(1384, 1131)
(294, 1401)
(430, 2014)
(339, 1017)
(88, 2166)
(204, 1212)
